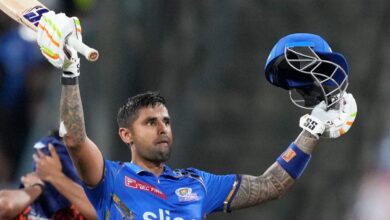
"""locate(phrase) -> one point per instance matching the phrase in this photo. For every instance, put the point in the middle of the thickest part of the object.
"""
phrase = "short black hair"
(128, 113)
(55, 133)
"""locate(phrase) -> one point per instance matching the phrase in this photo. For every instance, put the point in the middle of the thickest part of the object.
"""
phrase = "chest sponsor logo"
(185, 194)
(162, 215)
(135, 184)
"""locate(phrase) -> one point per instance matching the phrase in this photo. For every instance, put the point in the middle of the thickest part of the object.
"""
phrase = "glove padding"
(343, 122)
(53, 31)
(332, 123)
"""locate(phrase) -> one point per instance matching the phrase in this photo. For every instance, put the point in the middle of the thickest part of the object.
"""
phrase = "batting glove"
(53, 32)
(331, 123)
(341, 124)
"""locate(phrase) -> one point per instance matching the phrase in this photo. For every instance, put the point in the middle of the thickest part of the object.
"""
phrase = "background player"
(52, 191)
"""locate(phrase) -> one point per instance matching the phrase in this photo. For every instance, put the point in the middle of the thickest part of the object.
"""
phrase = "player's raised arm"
(289, 166)
(53, 32)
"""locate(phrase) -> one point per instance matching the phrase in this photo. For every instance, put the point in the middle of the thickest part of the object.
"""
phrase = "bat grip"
(89, 53)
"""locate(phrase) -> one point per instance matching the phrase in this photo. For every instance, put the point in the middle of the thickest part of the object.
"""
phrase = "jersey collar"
(168, 172)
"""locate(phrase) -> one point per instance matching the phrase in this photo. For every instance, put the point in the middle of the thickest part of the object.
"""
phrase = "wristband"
(294, 161)
(68, 81)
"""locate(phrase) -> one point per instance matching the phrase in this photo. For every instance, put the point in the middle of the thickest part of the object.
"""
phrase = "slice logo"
(34, 15)
(162, 215)
(135, 184)
(185, 194)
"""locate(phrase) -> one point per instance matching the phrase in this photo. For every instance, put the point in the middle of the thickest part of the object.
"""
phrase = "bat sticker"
(34, 15)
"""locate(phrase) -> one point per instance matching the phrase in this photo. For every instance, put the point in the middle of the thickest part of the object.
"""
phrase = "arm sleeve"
(220, 190)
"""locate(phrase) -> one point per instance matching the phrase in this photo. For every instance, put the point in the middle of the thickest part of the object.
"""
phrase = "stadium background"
(207, 58)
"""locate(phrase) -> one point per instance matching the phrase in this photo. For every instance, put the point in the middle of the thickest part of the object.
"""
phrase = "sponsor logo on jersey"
(162, 215)
(185, 194)
(132, 183)
(34, 15)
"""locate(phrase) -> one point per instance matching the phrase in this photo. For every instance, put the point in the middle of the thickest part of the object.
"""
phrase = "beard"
(157, 154)
(163, 156)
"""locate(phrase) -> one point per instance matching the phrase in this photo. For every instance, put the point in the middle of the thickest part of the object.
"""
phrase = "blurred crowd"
(22, 71)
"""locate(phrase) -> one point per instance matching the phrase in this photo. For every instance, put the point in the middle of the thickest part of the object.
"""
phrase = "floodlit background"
(207, 59)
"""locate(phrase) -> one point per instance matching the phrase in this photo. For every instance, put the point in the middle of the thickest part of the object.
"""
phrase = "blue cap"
(289, 79)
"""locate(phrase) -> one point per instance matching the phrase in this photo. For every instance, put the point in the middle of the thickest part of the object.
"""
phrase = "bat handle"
(89, 53)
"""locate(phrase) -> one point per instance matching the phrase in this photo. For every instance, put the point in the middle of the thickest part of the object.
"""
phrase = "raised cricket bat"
(29, 12)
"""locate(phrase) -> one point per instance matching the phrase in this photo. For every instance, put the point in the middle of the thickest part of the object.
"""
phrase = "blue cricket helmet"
(305, 62)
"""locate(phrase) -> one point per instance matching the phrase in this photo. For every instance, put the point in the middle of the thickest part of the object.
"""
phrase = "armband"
(294, 161)
(68, 81)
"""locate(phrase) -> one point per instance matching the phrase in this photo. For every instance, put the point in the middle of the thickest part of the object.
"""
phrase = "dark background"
(207, 59)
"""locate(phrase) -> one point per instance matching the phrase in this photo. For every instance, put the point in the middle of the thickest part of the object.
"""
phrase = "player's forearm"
(258, 189)
(85, 154)
(72, 115)
(273, 183)
(306, 142)
(13, 202)
(75, 194)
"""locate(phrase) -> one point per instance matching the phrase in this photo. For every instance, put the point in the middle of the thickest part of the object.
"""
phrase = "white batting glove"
(341, 124)
(53, 31)
(331, 123)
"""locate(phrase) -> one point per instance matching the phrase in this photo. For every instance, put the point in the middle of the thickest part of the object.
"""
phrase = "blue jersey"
(127, 191)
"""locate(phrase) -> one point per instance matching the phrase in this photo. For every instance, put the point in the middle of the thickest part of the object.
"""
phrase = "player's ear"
(126, 135)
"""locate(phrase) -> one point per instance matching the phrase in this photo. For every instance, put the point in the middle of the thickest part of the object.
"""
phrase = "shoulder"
(113, 164)
(116, 168)
(190, 172)
(193, 173)
(206, 176)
